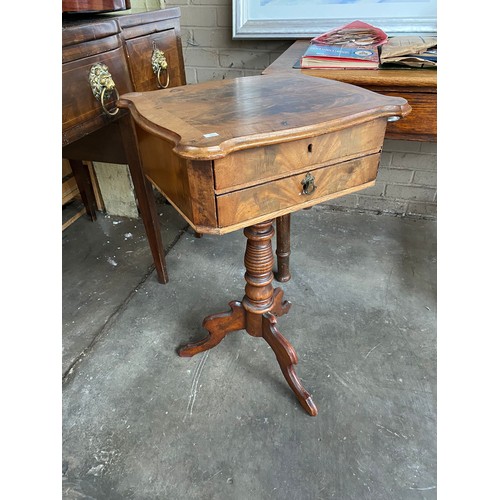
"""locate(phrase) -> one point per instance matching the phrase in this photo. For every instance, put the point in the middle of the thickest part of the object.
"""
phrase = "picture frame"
(295, 19)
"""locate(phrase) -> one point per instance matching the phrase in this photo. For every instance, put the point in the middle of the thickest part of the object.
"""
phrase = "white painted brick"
(138, 5)
(208, 74)
(211, 2)
(186, 36)
(174, 3)
(404, 146)
(385, 159)
(410, 193)
(394, 175)
(348, 201)
(191, 76)
(422, 208)
(198, 16)
(429, 147)
(377, 190)
(382, 204)
(425, 178)
(224, 17)
(414, 161)
(212, 37)
(244, 59)
(200, 57)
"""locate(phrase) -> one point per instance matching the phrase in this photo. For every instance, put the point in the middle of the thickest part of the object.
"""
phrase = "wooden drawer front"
(278, 196)
(421, 123)
(140, 50)
(82, 113)
(252, 166)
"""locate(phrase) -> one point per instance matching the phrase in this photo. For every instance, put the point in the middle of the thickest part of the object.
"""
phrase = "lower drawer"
(281, 195)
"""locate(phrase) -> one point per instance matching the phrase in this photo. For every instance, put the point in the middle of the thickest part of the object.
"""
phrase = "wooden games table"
(237, 154)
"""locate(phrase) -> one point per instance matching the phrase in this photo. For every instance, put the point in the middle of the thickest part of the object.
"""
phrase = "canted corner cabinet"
(104, 56)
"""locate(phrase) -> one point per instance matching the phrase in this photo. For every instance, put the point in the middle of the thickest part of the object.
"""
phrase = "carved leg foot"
(280, 306)
(287, 357)
(218, 326)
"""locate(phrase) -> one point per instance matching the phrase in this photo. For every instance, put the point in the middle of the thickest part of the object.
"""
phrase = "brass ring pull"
(102, 85)
(159, 63)
(308, 186)
(158, 78)
(103, 95)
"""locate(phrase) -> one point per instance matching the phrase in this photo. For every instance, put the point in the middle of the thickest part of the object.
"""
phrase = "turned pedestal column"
(257, 312)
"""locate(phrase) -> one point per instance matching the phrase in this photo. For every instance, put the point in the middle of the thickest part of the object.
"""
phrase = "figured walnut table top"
(210, 120)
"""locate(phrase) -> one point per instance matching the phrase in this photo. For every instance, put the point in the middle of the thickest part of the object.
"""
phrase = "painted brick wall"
(406, 182)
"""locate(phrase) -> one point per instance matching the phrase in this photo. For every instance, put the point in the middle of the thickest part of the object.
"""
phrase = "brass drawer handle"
(159, 63)
(308, 186)
(103, 86)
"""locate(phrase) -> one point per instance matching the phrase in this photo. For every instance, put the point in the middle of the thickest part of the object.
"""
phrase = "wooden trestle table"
(239, 153)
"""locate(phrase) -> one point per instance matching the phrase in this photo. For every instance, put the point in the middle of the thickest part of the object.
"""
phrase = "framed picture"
(266, 19)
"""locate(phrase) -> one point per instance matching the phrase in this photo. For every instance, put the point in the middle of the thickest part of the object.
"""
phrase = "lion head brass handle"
(308, 185)
(159, 63)
(103, 86)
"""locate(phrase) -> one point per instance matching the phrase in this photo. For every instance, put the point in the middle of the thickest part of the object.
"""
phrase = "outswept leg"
(257, 312)
(287, 357)
(280, 306)
(218, 326)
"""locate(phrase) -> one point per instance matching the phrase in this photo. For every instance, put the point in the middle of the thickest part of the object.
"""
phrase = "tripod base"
(257, 313)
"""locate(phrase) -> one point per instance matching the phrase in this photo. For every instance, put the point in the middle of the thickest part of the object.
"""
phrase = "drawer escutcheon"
(308, 186)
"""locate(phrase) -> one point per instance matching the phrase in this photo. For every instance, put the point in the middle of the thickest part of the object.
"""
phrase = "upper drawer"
(254, 166)
(86, 38)
(140, 52)
(82, 113)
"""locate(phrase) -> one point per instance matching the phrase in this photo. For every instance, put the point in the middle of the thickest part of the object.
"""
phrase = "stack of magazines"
(353, 46)
(410, 51)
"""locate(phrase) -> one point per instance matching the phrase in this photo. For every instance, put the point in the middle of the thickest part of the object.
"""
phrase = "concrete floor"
(140, 422)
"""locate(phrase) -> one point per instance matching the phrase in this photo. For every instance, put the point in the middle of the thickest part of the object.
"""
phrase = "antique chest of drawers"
(104, 56)
(120, 50)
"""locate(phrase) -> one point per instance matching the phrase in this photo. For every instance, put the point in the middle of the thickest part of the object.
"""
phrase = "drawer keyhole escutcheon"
(308, 185)
(310, 148)
(159, 64)
(103, 86)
